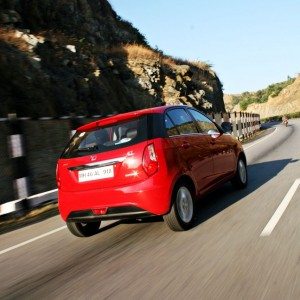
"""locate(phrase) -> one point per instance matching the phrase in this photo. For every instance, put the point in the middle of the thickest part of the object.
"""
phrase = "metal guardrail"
(244, 125)
(28, 202)
(16, 172)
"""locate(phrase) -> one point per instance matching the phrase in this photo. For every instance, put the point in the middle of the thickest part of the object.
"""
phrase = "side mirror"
(227, 127)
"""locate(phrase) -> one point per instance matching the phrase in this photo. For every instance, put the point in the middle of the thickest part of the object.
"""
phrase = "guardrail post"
(239, 125)
(234, 124)
(247, 129)
(252, 123)
(243, 125)
(218, 119)
(226, 117)
(18, 157)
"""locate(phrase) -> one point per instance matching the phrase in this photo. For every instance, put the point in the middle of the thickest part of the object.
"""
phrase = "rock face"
(93, 20)
(77, 56)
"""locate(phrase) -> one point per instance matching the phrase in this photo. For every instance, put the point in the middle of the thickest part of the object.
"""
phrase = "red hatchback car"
(151, 162)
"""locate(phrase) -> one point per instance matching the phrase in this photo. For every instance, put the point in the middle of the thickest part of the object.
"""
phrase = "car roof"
(125, 116)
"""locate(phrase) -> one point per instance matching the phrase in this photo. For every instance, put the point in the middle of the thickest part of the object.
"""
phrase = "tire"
(181, 216)
(240, 180)
(84, 229)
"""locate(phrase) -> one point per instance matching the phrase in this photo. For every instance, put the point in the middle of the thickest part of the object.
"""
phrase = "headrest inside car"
(131, 133)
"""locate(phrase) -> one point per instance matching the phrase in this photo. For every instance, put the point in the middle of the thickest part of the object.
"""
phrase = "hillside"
(287, 101)
(277, 99)
(66, 56)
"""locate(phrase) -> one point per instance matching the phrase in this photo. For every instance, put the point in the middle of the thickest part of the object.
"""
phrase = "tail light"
(150, 163)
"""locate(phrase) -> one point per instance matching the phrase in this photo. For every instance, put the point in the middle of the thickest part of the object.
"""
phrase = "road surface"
(245, 245)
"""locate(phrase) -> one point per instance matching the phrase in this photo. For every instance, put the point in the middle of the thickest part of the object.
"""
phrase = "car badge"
(93, 157)
(130, 153)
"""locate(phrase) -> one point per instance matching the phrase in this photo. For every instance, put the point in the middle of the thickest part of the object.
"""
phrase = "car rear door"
(192, 147)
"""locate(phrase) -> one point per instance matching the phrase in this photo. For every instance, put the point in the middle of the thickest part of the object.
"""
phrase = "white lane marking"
(105, 223)
(281, 208)
(32, 240)
(269, 135)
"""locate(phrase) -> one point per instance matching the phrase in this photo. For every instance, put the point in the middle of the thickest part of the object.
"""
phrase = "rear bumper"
(149, 197)
(123, 212)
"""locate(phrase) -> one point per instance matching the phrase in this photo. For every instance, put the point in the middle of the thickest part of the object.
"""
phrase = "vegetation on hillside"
(261, 96)
(137, 51)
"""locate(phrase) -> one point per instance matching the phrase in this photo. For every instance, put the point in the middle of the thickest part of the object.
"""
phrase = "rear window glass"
(107, 138)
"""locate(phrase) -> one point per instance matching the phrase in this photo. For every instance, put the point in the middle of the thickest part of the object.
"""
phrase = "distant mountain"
(277, 99)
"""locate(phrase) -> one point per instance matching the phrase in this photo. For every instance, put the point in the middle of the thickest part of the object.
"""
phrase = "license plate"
(96, 173)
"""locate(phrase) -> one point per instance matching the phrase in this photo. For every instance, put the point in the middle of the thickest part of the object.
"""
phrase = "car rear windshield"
(102, 139)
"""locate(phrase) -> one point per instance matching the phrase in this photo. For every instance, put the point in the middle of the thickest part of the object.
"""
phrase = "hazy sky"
(250, 43)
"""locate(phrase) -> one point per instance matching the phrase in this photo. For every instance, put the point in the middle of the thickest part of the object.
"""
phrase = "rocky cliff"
(78, 56)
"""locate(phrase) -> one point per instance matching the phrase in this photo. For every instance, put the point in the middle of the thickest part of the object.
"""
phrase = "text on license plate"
(96, 173)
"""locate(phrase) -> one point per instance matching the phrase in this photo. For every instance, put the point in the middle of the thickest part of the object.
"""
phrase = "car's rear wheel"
(240, 179)
(181, 216)
(84, 229)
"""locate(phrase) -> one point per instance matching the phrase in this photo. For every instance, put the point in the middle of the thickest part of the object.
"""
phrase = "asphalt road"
(225, 256)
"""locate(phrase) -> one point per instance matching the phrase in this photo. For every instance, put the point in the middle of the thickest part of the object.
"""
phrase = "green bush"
(261, 96)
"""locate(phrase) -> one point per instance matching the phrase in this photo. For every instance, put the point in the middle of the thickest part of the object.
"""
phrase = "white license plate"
(96, 173)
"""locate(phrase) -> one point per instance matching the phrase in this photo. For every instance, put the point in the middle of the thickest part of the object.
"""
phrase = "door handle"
(185, 145)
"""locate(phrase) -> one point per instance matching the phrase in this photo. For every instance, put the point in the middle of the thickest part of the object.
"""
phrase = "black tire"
(84, 229)
(181, 216)
(240, 180)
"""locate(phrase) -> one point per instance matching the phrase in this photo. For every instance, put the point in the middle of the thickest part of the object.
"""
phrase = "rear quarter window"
(183, 122)
(107, 138)
(170, 127)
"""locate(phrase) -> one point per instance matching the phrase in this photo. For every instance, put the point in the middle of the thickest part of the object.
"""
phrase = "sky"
(250, 43)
